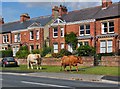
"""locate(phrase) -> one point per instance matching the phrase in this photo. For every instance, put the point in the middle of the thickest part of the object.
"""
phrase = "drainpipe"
(95, 56)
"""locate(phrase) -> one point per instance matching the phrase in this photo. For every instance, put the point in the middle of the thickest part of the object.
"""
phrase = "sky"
(11, 10)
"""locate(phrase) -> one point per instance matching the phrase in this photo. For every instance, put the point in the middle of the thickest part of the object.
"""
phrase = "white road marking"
(1, 79)
(43, 84)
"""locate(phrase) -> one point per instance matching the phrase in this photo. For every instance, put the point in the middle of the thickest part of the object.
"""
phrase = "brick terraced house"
(95, 26)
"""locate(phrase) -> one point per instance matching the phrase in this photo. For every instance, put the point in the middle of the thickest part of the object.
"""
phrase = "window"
(106, 46)
(31, 35)
(86, 43)
(31, 47)
(107, 27)
(84, 30)
(55, 46)
(62, 45)
(119, 44)
(80, 44)
(37, 46)
(37, 34)
(62, 32)
(5, 39)
(55, 32)
(17, 37)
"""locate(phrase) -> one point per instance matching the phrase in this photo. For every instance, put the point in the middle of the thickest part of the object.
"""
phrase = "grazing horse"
(71, 61)
(34, 59)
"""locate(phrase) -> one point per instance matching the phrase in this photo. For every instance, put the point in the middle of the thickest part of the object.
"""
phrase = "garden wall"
(110, 61)
(87, 61)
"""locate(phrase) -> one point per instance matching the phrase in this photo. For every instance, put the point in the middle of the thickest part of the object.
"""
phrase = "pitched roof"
(92, 13)
(12, 26)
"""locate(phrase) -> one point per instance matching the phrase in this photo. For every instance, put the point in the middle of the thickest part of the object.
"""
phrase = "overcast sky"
(11, 11)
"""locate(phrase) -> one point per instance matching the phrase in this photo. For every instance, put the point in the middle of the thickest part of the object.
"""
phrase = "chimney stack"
(24, 17)
(1, 20)
(58, 11)
(106, 3)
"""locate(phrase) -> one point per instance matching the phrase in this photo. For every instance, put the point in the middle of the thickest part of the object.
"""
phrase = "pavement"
(81, 77)
(70, 76)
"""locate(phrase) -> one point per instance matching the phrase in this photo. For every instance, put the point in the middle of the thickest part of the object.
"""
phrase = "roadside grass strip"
(98, 70)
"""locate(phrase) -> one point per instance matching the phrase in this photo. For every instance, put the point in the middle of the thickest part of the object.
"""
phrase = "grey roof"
(107, 35)
(84, 37)
(12, 26)
(92, 13)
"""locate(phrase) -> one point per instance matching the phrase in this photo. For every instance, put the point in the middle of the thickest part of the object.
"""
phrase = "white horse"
(34, 59)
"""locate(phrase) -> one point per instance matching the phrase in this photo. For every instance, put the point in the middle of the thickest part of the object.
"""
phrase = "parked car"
(9, 61)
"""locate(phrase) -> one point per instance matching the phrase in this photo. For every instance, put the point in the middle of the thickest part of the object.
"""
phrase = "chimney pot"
(24, 17)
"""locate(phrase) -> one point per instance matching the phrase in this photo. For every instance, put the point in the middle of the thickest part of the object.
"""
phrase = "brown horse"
(71, 61)
(34, 59)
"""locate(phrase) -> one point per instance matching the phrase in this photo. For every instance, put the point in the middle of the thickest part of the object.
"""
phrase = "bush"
(37, 51)
(7, 53)
(86, 50)
(45, 51)
(64, 52)
(55, 55)
(23, 52)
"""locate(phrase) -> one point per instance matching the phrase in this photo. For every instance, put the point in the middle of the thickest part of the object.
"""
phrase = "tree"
(86, 50)
(71, 39)
(23, 52)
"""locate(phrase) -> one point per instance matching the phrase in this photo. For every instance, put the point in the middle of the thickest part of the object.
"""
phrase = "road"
(10, 80)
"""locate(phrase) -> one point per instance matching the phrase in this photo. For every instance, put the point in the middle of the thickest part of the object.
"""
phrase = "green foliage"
(64, 52)
(23, 52)
(6, 53)
(86, 50)
(37, 51)
(55, 55)
(72, 39)
(46, 50)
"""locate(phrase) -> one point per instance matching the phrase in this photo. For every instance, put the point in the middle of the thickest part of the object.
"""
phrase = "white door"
(15, 50)
(70, 47)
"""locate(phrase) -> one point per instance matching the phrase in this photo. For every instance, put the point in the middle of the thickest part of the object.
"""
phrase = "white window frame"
(62, 46)
(107, 46)
(37, 34)
(85, 29)
(55, 47)
(62, 32)
(31, 35)
(55, 32)
(108, 27)
(17, 37)
(5, 39)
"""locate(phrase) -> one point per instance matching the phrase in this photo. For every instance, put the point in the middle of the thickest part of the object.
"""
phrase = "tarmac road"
(12, 80)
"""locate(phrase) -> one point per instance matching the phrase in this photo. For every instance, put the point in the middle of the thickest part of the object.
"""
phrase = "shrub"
(45, 51)
(37, 51)
(23, 52)
(86, 50)
(55, 55)
(64, 52)
(7, 53)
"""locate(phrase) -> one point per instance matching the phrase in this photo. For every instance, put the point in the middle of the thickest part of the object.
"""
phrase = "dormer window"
(107, 27)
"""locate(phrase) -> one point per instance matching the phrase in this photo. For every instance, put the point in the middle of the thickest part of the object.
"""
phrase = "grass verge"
(98, 70)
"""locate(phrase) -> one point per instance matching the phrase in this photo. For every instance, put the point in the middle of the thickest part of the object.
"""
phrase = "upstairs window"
(84, 30)
(31, 35)
(5, 39)
(37, 34)
(17, 37)
(62, 32)
(107, 27)
(55, 32)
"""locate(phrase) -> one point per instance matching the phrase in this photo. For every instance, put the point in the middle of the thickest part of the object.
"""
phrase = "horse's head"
(80, 60)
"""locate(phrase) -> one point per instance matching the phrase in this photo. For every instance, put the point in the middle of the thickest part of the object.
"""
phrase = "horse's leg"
(31, 65)
(76, 68)
(28, 64)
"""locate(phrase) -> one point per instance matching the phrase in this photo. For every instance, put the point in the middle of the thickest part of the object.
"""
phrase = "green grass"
(99, 70)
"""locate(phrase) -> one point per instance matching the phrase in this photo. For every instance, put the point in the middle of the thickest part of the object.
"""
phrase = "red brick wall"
(116, 30)
(25, 37)
(87, 61)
